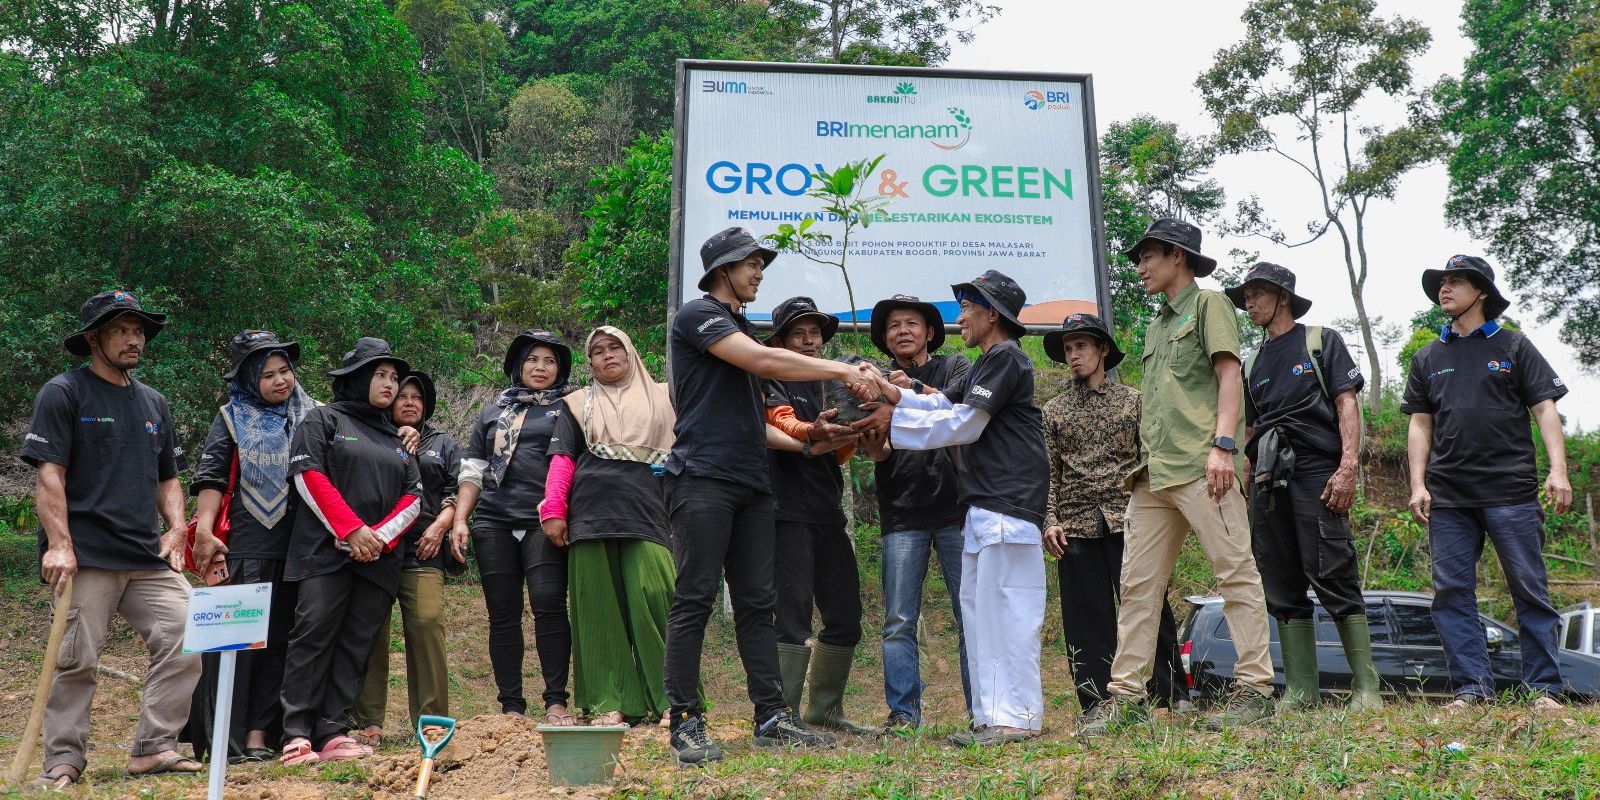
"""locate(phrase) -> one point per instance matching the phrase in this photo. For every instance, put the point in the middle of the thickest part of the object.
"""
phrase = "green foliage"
(897, 32)
(237, 168)
(462, 58)
(1525, 118)
(624, 258)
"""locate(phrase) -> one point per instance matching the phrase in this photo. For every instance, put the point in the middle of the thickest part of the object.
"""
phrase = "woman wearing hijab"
(426, 558)
(360, 490)
(602, 468)
(502, 481)
(253, 430)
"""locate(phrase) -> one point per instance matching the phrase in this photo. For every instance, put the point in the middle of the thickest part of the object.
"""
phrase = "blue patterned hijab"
(262, 432)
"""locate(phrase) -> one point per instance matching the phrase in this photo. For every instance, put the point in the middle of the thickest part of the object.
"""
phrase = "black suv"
(1406, 649)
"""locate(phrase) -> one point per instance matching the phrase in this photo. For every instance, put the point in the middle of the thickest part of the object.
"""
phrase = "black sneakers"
(691, 744)
(785, 729)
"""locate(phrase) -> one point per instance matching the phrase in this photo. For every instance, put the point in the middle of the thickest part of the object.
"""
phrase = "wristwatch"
(1225, 443)
(805, 448)
(916, 386)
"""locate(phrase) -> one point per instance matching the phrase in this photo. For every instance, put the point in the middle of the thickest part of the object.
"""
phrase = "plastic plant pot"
(582, 755)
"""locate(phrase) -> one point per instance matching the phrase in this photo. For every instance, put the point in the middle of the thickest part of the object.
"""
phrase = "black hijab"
(350, 397)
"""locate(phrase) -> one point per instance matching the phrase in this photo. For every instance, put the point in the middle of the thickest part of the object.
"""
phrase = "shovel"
(430, 749)
(58, 628)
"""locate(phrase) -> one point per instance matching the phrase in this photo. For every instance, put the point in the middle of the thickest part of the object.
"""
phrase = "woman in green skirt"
(604, 503)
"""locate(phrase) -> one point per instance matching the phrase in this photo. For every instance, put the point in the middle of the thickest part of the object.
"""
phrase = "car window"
(1594, 638)
(1327, 632)
(1416, 626)
(1222, 631)
(1574, 638)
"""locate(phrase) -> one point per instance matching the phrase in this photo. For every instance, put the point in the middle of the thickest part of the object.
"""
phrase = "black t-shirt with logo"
(721, 430)
(247, 537)
(610, 498)
(1479, 389)
(370, 470)
(1282, 391)
(1006, 470)
(804, 488)
(439, 461)
(116, 443)
(513, 504)
(917, 488)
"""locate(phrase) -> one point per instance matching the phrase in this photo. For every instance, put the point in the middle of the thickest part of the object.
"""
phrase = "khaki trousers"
(1157, 523)
(427, 674)
(155, 602)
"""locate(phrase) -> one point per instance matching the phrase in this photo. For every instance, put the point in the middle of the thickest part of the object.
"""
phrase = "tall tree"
(463, 54)
(1525, 172)
(901, 32)
(1294, 87)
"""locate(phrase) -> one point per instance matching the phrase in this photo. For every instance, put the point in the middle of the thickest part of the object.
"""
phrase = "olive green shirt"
(1179, 417)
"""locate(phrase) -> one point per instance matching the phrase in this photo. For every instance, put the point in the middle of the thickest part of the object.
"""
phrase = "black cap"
(430, 395)
(250, 342)
(879, 330)
(1180, 234)
(1055, 341)
(795, 309)
(730, 247)
(1003, 295)
(517, 352)
(1278, 276)
(1479, 272)
(367, 350)
(105, 307)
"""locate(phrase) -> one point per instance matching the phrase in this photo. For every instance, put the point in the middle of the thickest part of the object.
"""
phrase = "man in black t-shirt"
(108, 461)
(1303, 426)
(1473, 474)
(718, 495)
(1002, 475)
(917, 507)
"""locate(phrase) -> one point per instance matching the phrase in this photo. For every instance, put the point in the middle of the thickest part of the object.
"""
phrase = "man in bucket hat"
(991, 419)
(815, 553)
(108, 460)
(1091, 432)
(1473, 474)
(1304, 429)
(719, 496)
(918, 510)
(1189, 424)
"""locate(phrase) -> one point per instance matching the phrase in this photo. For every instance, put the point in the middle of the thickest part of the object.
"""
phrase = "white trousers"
(1002, 611)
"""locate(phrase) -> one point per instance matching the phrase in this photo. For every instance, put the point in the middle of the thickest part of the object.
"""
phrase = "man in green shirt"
(1190, 428)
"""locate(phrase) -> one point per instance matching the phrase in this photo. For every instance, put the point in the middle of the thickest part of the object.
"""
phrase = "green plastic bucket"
(582, 755)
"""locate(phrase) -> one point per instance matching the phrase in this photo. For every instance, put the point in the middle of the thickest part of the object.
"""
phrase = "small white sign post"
(225, 620)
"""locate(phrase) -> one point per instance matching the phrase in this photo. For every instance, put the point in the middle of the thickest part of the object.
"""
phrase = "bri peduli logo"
(404, 456)
(1500, 366)
(1303, 368)
(1047, 100)
(120, 296)
(152, 428)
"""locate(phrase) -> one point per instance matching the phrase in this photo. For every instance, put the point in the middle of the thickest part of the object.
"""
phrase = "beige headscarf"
(630, 420)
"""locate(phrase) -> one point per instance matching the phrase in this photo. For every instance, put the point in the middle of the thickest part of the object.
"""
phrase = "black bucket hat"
(430, 396)
(105, 307)
(1278, 276)
(1002, 294)
(250, 342)
(1479, 272)
(1180, 234)
(1055, 341)
(730, 247)
(880, 320)
(369, 350)
(517, 352)
(795, 309)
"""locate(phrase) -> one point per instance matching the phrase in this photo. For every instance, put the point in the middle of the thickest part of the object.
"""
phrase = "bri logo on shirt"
(404, 456)
(152, 428)
(982, 392)
(1500, 366)
(1301, 369)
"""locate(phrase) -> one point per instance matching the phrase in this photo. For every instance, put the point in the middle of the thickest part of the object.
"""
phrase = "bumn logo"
(725, 87)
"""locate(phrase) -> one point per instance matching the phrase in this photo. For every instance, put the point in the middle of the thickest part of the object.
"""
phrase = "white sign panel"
(228, 618)
(983, 171)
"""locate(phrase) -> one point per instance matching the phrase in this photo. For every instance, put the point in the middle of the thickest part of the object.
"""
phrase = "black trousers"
(816, 567)
(336, 621)
(508, 568)
(721, 526)
(258, 674)
(1090, 576)
(1299, 544)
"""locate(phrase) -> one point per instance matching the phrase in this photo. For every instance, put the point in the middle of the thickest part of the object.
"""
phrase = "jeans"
(1456, 536)
(816, 568)
(720, 526)
(905, 566)
(508, 568)
(1299, 544)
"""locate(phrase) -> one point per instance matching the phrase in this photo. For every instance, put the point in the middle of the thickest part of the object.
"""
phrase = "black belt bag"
(1274, 462)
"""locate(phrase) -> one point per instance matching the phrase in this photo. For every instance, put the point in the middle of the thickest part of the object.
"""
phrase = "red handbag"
(220, 529)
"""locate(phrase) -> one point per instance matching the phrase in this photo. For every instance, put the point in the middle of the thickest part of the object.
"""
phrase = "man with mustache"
(108, 461)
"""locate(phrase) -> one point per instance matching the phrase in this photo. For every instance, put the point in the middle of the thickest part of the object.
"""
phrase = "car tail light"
(1183, 655)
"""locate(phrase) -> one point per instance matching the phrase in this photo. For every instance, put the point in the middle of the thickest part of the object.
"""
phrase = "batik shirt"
(1093, 439)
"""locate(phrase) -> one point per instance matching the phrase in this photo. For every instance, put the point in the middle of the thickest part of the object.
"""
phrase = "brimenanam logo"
(904, 93)
(1048, 100)
(732, 87)
(951, 135)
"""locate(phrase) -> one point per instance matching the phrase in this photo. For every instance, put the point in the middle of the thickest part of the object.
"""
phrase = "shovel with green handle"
(430, 749)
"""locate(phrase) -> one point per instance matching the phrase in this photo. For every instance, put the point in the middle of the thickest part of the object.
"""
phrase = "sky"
(1145, 61)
